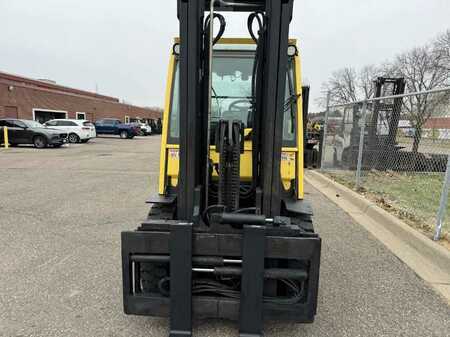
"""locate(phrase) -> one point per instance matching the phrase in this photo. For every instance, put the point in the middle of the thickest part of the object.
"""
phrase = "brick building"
(437, 123)
(26, 98)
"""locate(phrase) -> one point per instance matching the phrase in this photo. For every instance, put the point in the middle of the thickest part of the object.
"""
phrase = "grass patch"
(414, 197)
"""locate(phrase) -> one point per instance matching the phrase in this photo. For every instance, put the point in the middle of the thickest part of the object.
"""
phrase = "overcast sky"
(123, 46)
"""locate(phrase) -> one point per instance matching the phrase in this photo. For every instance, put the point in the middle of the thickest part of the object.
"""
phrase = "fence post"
(443, 203)
(325, 127)
(362, 125)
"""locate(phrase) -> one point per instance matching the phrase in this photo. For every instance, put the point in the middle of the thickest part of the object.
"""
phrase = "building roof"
(39, 84)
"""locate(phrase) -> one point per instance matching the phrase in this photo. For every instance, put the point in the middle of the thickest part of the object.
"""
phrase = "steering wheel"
(237, 105)
(236, 111)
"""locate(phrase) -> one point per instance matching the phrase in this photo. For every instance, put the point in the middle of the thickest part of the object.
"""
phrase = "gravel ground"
(61, 214)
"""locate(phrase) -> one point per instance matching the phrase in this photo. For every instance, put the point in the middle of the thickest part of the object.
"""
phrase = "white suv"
(146, 129)
(78, 130)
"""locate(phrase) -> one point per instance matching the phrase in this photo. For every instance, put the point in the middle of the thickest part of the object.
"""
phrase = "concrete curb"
(426, 258)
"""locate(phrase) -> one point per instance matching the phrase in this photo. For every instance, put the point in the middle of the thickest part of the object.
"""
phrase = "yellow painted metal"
(227, 40)
(287, 168)
(5, 137)
(172, 146)
(288, 163)
(236, 40)
(300, 169)
(163, 153)
(245, 163)
(173, 162)
(173, 165)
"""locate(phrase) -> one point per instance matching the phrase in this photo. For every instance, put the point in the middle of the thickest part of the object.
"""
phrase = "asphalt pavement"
(61, 214)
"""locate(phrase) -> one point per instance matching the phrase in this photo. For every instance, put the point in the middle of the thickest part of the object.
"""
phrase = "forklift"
(380, 149)
(229, 234)
(156, 125)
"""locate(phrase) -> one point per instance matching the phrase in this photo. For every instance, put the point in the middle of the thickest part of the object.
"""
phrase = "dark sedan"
(21, 131)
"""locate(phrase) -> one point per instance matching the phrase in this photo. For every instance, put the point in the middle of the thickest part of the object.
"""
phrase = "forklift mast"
(387, 86)
(193, 110)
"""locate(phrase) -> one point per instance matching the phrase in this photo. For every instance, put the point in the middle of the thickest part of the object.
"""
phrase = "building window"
(44, 115)
(81, 115)
(127, 119)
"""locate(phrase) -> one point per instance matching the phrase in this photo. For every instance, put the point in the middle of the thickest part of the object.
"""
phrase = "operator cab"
(232, 100)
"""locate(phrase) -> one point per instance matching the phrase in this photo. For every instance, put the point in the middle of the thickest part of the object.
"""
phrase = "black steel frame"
(157, 238)
(398, 88)
(192, 140)
(192, 115)
(279, 14)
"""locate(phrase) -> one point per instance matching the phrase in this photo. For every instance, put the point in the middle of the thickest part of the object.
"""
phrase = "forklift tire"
(158, 211)
(152, 273)
(305, 223)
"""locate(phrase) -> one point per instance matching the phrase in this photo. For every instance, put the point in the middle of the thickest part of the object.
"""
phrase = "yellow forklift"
(229, 234)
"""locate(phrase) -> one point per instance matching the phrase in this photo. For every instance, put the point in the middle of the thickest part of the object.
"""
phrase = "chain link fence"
(395, 150)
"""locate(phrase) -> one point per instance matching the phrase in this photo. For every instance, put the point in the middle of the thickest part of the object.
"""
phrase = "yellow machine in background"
(226, 50)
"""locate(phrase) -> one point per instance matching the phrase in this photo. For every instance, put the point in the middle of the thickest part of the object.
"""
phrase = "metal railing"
(395, 149)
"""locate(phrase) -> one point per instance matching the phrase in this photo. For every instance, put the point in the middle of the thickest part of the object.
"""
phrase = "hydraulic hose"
(221, 29)
(257, 73)
(208, 43)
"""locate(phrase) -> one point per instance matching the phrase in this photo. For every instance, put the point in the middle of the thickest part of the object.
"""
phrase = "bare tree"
(442, 48)
(423, 68)
(365, 85)
(348, 85)
(341, 86)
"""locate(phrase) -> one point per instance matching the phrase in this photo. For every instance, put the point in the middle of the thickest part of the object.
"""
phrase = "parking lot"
(61, 214)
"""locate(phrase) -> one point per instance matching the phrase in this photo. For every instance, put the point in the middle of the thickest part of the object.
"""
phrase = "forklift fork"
(251, 299)
(251, 302)
(181, 280)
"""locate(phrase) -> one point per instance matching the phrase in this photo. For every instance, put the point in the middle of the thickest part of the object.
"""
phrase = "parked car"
(146, 129)
(112, 126)
(141, 130)
(78, 130)
(21, 131)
